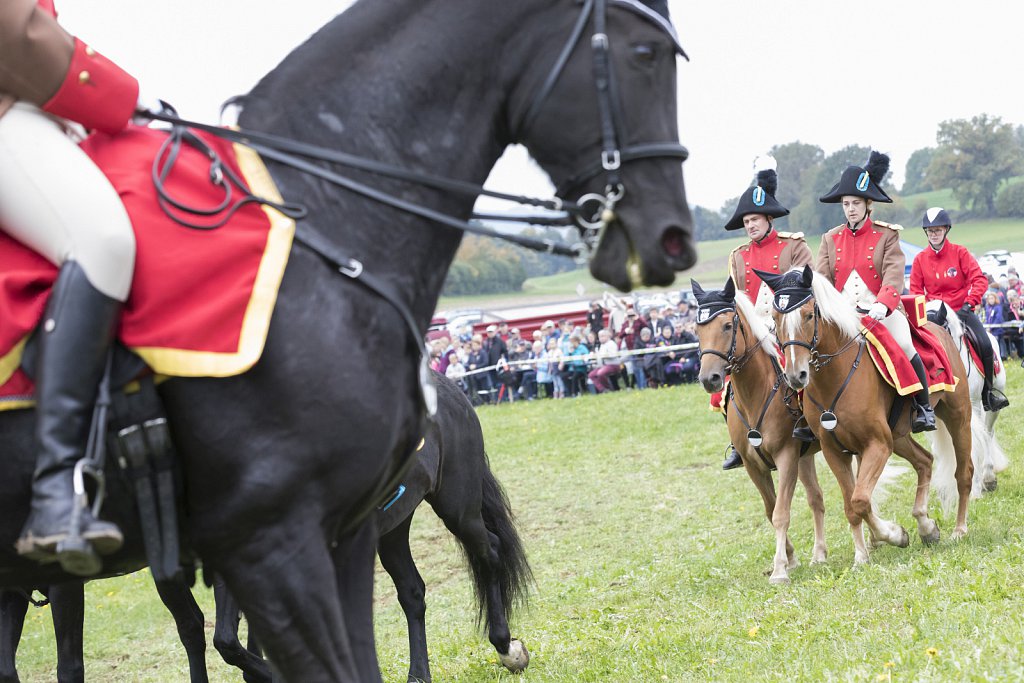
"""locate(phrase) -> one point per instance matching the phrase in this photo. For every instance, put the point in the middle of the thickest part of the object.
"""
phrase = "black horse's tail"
(514, 575)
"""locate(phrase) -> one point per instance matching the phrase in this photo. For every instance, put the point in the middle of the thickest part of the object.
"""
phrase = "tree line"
(486, 265)
(978, 159)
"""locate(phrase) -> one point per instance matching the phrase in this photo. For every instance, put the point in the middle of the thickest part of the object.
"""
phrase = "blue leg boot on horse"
(75, 336)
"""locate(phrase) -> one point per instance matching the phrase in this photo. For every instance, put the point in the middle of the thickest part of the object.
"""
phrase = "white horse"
(988, 456)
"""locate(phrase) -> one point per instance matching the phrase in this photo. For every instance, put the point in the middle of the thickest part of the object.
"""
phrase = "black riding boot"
(924, 417)
(76, 334)
(802, 431)
(992, 401)
(733, 460)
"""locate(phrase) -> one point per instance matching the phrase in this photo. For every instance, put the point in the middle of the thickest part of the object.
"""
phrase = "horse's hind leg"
(354, 563)
(225, 637)
(921, 460)
(67, 605)
(808, 474)
(397, 560)
(188, 618)
(13, 606)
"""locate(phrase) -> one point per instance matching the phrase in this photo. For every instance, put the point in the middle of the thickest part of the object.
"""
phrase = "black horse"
(282, 463)
(452, 473)
(67, 606)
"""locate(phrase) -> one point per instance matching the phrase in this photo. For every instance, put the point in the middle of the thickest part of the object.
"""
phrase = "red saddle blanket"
(895, 367)
(201, 300)
(976, 358)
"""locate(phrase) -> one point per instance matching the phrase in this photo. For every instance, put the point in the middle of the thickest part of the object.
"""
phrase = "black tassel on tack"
(768, 180)
(878, 166)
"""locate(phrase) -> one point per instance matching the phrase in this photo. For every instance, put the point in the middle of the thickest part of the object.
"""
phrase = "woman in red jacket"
(947, 271)
(55, 200)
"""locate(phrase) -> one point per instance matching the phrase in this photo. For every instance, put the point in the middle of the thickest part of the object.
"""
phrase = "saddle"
(200, 305)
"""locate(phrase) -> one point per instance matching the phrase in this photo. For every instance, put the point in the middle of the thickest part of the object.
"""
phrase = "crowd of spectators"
(562, 361)
(1002, 311)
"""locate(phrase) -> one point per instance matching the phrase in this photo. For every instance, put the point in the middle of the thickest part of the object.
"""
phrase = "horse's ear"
(940, 316)
(730, 289)
(808, 276)
(771, 279)
(698, 291)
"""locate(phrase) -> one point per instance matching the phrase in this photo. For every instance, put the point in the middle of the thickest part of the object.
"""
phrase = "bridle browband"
(591, 214)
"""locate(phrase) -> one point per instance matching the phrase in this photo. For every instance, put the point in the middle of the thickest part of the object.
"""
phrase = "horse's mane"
(758, 327)
(832, 307)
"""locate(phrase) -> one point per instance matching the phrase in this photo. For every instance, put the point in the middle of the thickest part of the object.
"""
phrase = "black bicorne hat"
(792, 289)
(861, 182)
(760, 198)
(715, 302)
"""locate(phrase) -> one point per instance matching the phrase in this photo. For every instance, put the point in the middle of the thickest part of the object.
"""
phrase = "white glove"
(878, 310)
(146, 104)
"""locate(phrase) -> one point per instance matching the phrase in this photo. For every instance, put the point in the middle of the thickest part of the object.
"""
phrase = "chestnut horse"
(761, 413)
(847, 404)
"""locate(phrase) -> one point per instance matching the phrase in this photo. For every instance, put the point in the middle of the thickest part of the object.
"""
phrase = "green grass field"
(649, 564)
(979, 236)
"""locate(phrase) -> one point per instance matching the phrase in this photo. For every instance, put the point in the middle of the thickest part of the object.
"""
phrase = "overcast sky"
(876, 73)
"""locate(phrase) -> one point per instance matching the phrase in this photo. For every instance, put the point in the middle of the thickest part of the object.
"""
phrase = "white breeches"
(54, 199)
(899, 327)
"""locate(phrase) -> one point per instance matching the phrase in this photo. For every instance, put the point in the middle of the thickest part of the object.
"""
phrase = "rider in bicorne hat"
(56, 201)
(947, 272)
(768, 249)
(864, 261)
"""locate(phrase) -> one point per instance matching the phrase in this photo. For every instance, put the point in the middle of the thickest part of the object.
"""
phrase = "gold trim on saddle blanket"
(190, 363)
(879, 351)
(11, 361)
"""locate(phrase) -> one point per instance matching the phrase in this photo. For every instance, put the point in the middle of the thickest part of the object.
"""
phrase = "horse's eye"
(728, 326)
(644, 52)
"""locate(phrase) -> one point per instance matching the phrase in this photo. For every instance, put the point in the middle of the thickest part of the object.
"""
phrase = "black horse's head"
(597, 109)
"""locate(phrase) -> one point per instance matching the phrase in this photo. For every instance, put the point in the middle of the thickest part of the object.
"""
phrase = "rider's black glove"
(967, 308)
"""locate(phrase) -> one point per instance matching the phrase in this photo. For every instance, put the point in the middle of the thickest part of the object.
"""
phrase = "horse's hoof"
(794, 562)
(932, 537)
(958, 534)
(819, 558)
(518, 657)
(904, 539)
(779, 580)
(990, 485)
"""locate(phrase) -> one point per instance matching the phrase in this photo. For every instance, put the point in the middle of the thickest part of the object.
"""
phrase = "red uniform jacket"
(873, 252)
(950, 274)
(42, 64)
(777, 252)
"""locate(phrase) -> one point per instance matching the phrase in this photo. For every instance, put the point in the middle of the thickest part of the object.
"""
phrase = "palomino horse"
(735, 341)
(989, 457)
(819, 333)
(283, 463)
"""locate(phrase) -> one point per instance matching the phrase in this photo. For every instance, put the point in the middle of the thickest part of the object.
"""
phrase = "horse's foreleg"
(188, 618)
(762, 479)
(284, 581)
(872, 462)
(67, 604)
(354, 563)
(808, 474)
(921, 460)
(225, 637)
(842, 467)
(786, 460)
(397, 560)
(960, 432)
(13, 606)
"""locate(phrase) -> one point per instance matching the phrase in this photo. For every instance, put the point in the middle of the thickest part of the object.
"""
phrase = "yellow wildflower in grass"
(889, 664)
(932, 652)
(753, 631)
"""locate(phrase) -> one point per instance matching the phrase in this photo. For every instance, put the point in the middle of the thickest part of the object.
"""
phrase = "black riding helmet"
(936, 217)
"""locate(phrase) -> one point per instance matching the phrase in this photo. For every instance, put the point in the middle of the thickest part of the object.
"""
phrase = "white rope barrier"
(616, 359)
